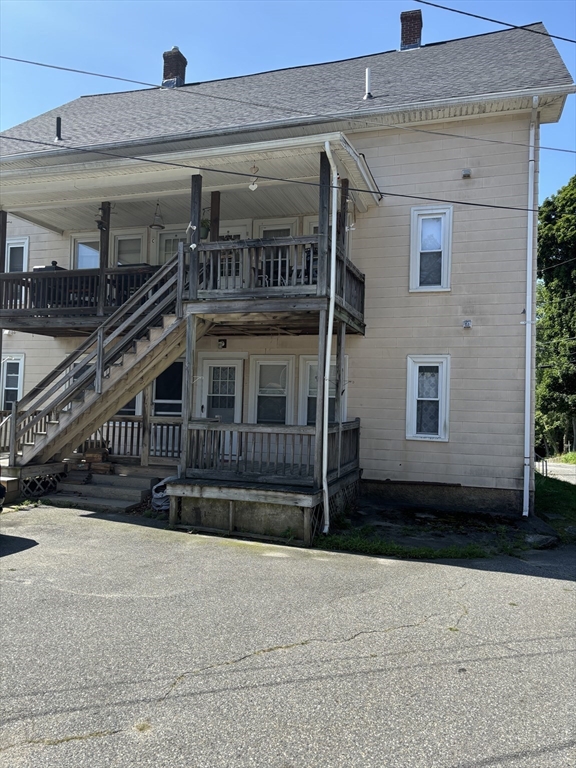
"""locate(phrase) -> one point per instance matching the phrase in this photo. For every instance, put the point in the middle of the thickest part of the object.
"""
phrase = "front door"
(222, 394)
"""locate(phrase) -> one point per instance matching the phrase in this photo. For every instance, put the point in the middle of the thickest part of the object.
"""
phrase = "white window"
(430, 246)
(168, 245)
(271, 383)
(16, 254)
(427, 399)
(86, 252)
(168, 391)
(12, 379)
(309, 390)
(270, 228)
(128, 249)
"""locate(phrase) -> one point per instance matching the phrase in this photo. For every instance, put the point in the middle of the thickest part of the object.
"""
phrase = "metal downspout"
(528, 383)
(329, 331)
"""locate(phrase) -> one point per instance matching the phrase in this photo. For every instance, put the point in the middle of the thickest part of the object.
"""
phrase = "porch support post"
(146, 412)
(343, 234)
(214, 217)
(319, 433)
(104, 228)
(194, 236)
(323, 224)
(3, 234)
(340, 383)
(187, 391)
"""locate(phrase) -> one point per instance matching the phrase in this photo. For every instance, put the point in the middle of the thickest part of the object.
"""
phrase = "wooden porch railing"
(280, 266)
(68, 292)
(124, 436)
(253, 267)
(85, 367)
(269, 453)
(5, 431)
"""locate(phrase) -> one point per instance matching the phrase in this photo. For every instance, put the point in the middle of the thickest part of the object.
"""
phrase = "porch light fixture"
(158, 221)
(253, 186)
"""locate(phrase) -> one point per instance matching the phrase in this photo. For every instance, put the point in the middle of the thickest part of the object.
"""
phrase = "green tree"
(556, 322)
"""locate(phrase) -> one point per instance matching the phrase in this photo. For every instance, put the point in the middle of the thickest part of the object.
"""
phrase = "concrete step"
(134, 495)
(12, 485)
(90, 503)
(141, 483)
(160, 472)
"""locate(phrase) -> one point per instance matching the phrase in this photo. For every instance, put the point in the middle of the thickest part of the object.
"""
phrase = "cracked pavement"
(127, 646)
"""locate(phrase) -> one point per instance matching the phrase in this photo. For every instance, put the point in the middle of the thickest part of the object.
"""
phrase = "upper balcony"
(279, 274)
(283, 193)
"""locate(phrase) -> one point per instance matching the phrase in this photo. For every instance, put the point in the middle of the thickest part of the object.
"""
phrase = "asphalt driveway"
(124, 646)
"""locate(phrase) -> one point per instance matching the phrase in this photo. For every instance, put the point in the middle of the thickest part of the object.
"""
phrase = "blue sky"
(224, 38)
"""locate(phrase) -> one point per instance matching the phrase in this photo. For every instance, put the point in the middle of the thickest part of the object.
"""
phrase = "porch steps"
(102, 492)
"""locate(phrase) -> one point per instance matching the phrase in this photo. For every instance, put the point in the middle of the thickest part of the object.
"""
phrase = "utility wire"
(557, 341)
(383, 193)
(280, 107)
(553, 266)
(494, 21)
(549, 301)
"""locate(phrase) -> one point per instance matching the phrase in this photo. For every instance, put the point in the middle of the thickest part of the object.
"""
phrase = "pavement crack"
(287, 647)
(63, 740)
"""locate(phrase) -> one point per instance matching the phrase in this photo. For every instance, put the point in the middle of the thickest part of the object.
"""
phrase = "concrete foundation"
(252, 517)
(446, 497)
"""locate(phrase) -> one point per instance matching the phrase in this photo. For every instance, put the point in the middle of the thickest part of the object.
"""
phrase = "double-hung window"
(12, 379)
(272, 388)
(128, 250)
(427, 402)
(430, 248)
(86, 252)
(16, 254)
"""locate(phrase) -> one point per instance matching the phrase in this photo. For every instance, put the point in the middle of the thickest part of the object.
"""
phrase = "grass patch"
(555, 502)
(566, 458)
(360, 542)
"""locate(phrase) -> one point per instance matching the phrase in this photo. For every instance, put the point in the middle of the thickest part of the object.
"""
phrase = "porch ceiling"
(66, 197)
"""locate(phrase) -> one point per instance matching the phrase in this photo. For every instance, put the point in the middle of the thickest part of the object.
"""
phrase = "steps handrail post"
(180, 283)
(12, 448)
(99, 362)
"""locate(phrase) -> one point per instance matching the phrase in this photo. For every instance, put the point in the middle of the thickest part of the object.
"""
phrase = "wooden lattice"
(32, 487)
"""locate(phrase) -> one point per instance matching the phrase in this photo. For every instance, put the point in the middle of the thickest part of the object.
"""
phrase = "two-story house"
(277, 286)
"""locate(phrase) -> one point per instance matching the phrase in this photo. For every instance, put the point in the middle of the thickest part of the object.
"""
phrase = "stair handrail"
(64, 371)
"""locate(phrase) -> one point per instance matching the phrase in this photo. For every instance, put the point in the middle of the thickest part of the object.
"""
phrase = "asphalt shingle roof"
(485, 64)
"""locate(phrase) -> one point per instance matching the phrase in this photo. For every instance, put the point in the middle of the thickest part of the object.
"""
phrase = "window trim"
(418, 213)
(12, 357)
(137, 234)
(304, 363)
(413, 363)
(286, 223)
(17, 241)
(255, 362)
(78, 237)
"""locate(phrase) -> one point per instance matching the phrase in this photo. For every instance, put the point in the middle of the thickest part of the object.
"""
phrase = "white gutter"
(528, 384)
(329, 331)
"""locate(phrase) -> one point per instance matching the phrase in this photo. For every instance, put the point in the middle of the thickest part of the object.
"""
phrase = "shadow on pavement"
(10, 545)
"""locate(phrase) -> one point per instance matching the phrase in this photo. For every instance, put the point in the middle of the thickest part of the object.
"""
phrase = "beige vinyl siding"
(487, 286)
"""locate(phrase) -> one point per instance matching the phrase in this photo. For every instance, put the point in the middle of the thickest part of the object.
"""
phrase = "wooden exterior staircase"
(125, 354)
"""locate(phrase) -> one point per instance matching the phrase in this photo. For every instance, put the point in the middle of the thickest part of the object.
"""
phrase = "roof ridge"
(317, 64)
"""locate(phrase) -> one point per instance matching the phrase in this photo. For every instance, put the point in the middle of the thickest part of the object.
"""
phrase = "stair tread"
(104, 491)
(90, 502)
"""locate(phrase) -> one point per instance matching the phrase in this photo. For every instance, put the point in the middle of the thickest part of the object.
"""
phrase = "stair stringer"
(124, 382)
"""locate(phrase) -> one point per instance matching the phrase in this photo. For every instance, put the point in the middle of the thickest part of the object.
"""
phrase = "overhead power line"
(383, 193)
(280, 107)
(560, 263)
(495, 21)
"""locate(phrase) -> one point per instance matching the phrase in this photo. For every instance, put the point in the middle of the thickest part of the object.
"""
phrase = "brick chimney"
(174, 69)
(411, 22)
